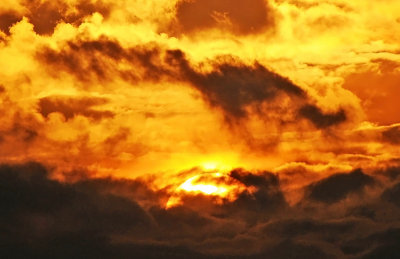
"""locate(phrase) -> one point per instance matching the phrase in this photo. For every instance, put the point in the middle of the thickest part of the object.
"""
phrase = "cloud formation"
(111, 217)
(199, 129)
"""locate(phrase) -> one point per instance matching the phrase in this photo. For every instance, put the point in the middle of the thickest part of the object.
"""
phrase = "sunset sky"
(200, 128)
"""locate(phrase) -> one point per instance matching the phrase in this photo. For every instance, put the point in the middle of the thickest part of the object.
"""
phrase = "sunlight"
(209, 166)
(208, 189)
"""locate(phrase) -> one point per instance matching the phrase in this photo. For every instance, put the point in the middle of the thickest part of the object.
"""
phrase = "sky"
(200, 128)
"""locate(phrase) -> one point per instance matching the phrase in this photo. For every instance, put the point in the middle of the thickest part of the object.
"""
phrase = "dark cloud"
(42, 217)
(45, 15)
(7, 19)
(247, 17)
(320, 119)
(392, 135)
(266, 199)
(231, 86)
(336, 187)
(291, 228)
(100, 218)
(390, 251)
(234, 87)
(71, 107)
(99, 59)
(23, 129)
(392, 195)
(289, 249)
(391, 172)
(381, 244)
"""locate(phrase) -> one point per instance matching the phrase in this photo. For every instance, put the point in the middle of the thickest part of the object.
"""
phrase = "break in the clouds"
(199, 129)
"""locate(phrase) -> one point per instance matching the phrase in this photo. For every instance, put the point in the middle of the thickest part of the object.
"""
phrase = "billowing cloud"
(116, 217)
(327, 189)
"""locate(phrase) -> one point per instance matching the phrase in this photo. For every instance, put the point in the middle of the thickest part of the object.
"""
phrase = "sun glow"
(209, 189)
(217, 185)
(210, 165)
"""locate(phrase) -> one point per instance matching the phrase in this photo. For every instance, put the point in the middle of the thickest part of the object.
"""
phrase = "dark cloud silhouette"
(392, 195)
(392, 135)
(381, 244)
(101, 218)
(99, 59)
(230, 86)
(7, 19)
(240, 17)
(266, 200)
(291, 228)
(45, 15)
(71, 107)
(42, 217)
(322, 120)
(336, 187)
(289, 249)
(233, 87)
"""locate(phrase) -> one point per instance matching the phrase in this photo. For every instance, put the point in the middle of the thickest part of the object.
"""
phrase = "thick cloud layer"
(120, 218)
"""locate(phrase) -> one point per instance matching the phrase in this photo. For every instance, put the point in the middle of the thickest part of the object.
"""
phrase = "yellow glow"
(217, 185)
(210, 165)
(208, 189)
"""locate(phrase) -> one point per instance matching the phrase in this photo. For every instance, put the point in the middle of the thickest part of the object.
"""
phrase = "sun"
(206, 188)
(219, 186)
(218, 165)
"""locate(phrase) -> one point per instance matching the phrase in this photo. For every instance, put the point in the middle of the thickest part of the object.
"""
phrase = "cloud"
(291, 249)
(46, 15)
(392, 195)
(336, 187)
(381, 244)
(71, 107)
(117, 217)
(236, 16)
(7, 20)
(297, 93)
(235, 88)
(322, 120)
(376, 87)
(100, 60)
(55, 217)
(392, 135)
